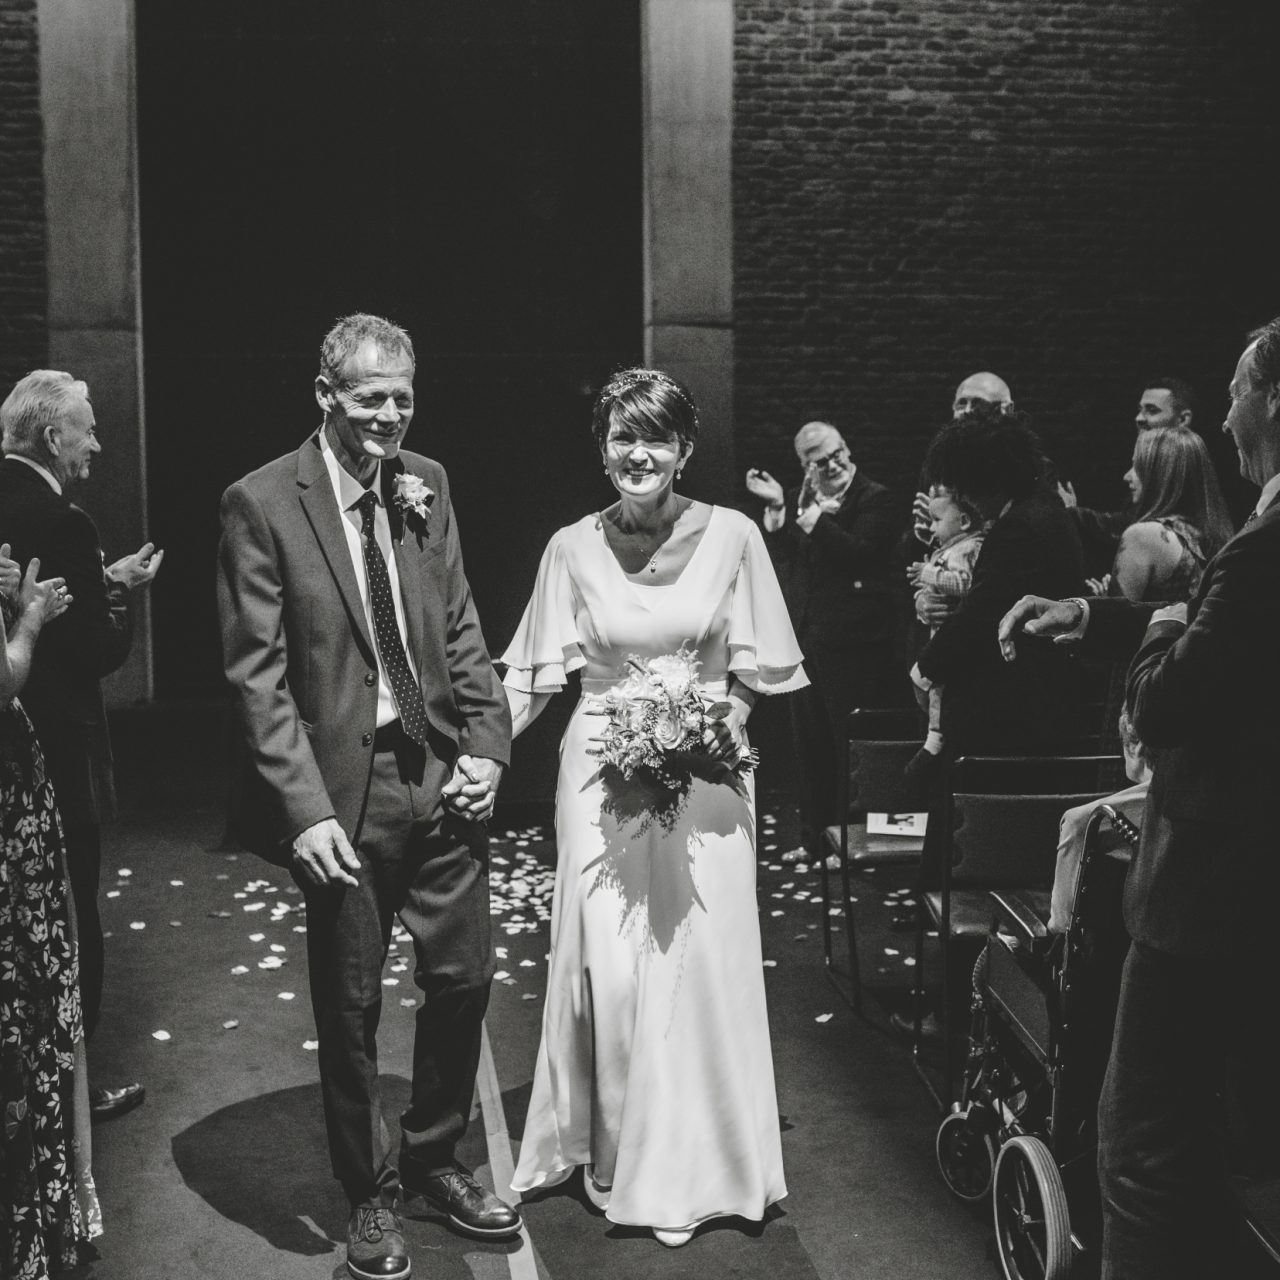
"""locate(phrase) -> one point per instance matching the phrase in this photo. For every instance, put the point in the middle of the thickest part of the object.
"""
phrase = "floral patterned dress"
(47, 1204)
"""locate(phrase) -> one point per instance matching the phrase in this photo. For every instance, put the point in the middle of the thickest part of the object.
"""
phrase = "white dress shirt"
(348, 491)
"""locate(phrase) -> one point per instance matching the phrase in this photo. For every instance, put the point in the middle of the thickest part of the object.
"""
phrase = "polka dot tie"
(404, 688)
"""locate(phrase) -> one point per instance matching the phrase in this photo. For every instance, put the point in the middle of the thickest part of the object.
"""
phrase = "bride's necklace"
(640, 538)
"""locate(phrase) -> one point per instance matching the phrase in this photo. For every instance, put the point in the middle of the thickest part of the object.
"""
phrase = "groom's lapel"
(407, 548)
(321, 510)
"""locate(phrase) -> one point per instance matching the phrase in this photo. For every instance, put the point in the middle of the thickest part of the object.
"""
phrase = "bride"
(654, 1070)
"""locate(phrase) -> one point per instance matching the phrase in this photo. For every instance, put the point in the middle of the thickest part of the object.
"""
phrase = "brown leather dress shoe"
(375, 1243)
(106, 1104)
(468, 1206)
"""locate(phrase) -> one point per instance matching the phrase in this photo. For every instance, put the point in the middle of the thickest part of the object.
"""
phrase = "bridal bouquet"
(655, 721)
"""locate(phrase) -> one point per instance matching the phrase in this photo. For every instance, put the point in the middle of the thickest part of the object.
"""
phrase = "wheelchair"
(1023, 1131)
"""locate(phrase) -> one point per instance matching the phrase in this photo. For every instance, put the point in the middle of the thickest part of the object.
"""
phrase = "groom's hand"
(324, 854)
(473, 790)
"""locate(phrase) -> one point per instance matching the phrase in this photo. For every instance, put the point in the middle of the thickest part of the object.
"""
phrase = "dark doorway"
(471, 170)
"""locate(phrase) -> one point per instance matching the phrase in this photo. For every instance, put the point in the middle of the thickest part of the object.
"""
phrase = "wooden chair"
(1000, 832)
(876, 747)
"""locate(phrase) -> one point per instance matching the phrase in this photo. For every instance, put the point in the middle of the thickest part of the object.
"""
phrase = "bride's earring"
(679, 472)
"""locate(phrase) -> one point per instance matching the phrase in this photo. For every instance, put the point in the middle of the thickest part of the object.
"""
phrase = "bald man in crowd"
(987, 387)
(833, 542)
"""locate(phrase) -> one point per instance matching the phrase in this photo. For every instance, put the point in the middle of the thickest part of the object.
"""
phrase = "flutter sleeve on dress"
(546, 646)
(763, 652)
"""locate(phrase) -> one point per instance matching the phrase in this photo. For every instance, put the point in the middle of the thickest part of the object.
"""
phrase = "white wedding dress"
(655, 1065)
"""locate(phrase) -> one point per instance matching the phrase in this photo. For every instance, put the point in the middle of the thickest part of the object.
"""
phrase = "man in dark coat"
(50, 439)
(833, 543)
(1199, 983)
(376, 733)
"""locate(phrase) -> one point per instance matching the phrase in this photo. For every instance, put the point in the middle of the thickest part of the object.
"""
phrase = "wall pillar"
(87, 96)
(687, 58)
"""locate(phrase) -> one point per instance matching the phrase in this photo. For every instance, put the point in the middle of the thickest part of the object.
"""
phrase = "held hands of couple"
(138, 569)
(472, 791)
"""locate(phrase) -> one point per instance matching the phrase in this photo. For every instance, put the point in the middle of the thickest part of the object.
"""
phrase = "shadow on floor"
(262, 1163)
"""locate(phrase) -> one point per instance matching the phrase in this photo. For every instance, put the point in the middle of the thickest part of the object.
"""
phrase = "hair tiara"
(629, 379)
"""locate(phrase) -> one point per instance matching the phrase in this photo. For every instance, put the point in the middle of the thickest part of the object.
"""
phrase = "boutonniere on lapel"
(413, 497)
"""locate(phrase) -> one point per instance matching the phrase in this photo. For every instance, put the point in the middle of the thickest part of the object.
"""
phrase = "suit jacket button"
(370, 678)
(366, 740)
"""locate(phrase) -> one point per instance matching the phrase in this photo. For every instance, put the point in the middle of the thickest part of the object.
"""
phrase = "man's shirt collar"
(38, 467)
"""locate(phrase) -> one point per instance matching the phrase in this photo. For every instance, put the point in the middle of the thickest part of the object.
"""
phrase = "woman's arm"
(525, 708)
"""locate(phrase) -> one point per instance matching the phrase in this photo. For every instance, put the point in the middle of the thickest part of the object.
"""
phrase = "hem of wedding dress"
(693, 1226)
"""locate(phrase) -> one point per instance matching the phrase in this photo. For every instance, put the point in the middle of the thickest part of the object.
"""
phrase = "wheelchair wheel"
(1033, 1229)
(966, 1154)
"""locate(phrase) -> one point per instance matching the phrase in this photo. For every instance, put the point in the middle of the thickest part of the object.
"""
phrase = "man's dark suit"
(1199, 989)
(63, 696)
(300, 658)
(841, 588)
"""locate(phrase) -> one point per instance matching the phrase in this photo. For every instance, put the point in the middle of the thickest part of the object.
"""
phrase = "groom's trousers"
(431, 869)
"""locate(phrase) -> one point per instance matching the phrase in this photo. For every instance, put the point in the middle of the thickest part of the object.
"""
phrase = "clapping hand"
(914, 571)
(1067, 492)
(472, 791)
(45, 600)
(920, 518)
(10, 573)
(138, 569)
(763, 486)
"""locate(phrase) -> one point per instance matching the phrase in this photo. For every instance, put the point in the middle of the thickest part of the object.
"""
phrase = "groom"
(376, 736)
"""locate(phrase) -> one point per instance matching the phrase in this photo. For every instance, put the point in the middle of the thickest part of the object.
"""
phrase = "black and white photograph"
(635, 639)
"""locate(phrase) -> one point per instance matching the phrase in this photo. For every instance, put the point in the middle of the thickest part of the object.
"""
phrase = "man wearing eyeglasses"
(376, 735)
(833, 541)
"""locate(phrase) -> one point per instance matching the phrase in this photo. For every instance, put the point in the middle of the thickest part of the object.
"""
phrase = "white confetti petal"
(527, 964)
(221, 915)
(775, 913)
(240, 968)
(137, 924)
(391, 982)
(502, 973)
(254, 906)
(160, 1035)
(256, 937)
(113, 893)
(299, 928)
(407, 1002)
(891, 951)
(177, 884)
(277, 946)
(284, 995)
(270, 962)
(770, 964)
(528, 995)
(311, 1045)
(175, 924)
(231, 1024)
(124, 873)
(824, 1017)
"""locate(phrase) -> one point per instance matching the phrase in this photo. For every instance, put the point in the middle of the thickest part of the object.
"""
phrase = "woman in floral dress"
(47, 1204)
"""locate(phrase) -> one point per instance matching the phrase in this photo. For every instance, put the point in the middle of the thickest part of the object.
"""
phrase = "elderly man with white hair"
(50, 441)
(833, 541)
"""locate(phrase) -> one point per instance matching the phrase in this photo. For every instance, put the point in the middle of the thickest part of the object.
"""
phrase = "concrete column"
(687, 51)
(95, 328)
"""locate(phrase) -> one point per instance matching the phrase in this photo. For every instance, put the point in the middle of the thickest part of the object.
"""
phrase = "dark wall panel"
(471, 170)
(1073, 194)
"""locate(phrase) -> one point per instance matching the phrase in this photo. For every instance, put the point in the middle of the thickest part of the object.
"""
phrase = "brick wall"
(1071, 194)
(22, 263)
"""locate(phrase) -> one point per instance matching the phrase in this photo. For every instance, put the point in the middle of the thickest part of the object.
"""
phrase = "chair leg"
(917, 994)
(824, 876)
(948, 1077)
(855, 968)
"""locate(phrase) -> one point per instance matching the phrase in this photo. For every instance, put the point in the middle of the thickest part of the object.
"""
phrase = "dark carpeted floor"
(223, 1171)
